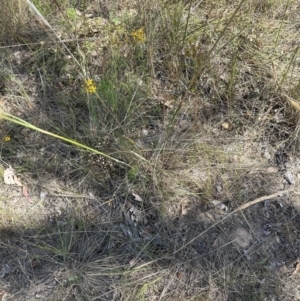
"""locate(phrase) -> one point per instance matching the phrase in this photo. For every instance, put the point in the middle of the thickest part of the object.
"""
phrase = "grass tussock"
(138, 128)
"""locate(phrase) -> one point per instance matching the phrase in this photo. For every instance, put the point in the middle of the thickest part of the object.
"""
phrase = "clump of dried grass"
(15, 23)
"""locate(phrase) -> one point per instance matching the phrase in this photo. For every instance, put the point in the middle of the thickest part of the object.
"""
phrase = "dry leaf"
(11, 179)
(9, 175)
(79, 13)
(272, 169)
(137, 197)
(294, 104)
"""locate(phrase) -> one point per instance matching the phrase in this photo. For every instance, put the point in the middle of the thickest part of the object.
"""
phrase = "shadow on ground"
(80, 249)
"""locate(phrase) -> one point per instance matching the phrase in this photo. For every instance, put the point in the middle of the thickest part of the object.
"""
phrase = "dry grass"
(191, 106)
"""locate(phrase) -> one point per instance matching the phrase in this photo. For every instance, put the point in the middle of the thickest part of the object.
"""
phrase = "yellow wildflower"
(139, 35)
(90, 86)
(6, 139)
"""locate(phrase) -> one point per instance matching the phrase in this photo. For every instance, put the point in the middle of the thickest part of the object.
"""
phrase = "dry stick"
(240, 208)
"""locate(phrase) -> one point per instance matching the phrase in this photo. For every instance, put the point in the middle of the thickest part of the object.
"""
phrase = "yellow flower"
(6, 139)
(90, 86)
(139, 35)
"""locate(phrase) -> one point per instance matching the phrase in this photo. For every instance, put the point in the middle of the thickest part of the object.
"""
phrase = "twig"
(240, 208)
